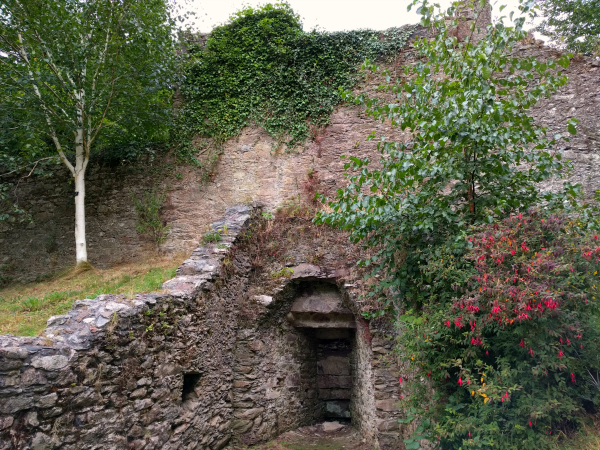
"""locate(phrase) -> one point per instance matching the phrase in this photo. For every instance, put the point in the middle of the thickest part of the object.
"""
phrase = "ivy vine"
(262, 67)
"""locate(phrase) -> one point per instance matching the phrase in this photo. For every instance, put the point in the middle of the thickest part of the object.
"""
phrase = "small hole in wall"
(190, 380)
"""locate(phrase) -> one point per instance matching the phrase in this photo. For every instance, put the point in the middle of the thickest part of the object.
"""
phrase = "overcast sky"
(328, 15)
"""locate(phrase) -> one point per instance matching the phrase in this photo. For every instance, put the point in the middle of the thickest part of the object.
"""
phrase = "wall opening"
(318, 312)
(188, 392)
(334, 372)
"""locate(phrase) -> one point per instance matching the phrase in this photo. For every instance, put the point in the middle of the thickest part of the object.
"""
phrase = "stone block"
(387, 405)
(241, 426)
(329, 427)
(334, 381)
(47, 401)
(334, 394)
(334, 365)
(387, 425)
(248, 414)
(5, 422)
(54, 362)
(12, 405)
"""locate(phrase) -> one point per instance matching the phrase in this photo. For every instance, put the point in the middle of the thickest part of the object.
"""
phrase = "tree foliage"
(262, 67)
(75, 73)
(572, 24)
(473, 153)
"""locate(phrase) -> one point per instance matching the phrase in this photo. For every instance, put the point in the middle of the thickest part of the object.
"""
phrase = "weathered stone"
(10, 364)
(31, 419)
(47, 401)
(138, 405)
(5, 422)
(241, 426)
(138, 393)
(334, 365)
(329, 427)
(54, 362)
(41, 441)
(13, 353)
(12, 405)
(249, 414)
(387, 405)
(31, 376)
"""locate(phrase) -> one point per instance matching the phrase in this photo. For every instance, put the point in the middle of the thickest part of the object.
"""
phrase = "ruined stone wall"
(252, 168)
(204, 364)
(153, 371)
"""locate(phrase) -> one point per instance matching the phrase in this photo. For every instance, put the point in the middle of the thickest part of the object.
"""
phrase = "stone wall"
(252, 168)
(204, 364)
(153, 371)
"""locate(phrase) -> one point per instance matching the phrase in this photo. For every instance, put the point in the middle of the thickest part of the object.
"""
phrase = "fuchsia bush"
(513, 357)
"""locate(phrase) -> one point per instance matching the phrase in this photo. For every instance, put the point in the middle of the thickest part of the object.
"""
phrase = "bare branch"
(27, 165)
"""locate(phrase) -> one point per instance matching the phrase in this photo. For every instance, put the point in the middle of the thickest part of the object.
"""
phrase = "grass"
(588, 438)
(24, 308)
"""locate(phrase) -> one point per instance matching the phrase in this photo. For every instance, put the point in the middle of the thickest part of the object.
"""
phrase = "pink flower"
(460, 381)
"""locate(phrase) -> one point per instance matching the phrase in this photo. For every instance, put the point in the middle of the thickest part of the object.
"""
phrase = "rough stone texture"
(251, 170)
(197, 366)
(153, 371)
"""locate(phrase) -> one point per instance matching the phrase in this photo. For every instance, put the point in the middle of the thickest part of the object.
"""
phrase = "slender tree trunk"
(81, 160)
(80, 242)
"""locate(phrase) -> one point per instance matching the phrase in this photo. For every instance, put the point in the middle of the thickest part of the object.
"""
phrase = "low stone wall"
(187, 367)
(153, 371)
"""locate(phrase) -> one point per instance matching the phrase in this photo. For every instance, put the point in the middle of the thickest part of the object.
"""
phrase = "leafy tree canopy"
(573, 24)
(472, 152)
(79, 75)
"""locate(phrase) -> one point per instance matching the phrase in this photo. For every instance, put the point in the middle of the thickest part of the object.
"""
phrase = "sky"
(327, 15)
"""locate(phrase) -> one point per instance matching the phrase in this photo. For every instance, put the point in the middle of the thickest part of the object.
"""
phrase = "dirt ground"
(315, 438)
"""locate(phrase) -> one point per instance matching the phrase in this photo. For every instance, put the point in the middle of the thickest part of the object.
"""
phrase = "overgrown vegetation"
(514, 353)
(471, 156)
(149, 221)
(24, 309)
(572, 24)
(262, 67)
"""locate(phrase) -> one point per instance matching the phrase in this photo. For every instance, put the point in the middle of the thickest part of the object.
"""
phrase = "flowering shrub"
(512, 358)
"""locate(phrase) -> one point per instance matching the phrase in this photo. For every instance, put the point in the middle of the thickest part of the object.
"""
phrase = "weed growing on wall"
(262, 67)
(149, 222)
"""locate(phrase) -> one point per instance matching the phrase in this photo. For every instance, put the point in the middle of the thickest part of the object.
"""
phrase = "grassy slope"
(24, 309)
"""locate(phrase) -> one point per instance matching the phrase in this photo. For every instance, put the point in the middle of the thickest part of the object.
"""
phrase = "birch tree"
(79, 70)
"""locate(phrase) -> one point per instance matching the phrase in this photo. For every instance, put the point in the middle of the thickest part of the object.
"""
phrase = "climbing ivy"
(262, 67)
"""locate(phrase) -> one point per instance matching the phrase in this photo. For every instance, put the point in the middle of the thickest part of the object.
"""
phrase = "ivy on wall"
(262, 67)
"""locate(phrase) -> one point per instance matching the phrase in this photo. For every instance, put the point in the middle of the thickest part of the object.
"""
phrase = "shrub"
(511, 356)
(149, 220)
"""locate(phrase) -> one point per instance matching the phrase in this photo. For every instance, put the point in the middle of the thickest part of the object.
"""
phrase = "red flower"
(460, 381)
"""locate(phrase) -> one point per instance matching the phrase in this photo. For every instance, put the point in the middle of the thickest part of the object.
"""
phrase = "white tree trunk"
(81, 161)
(80, 243)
